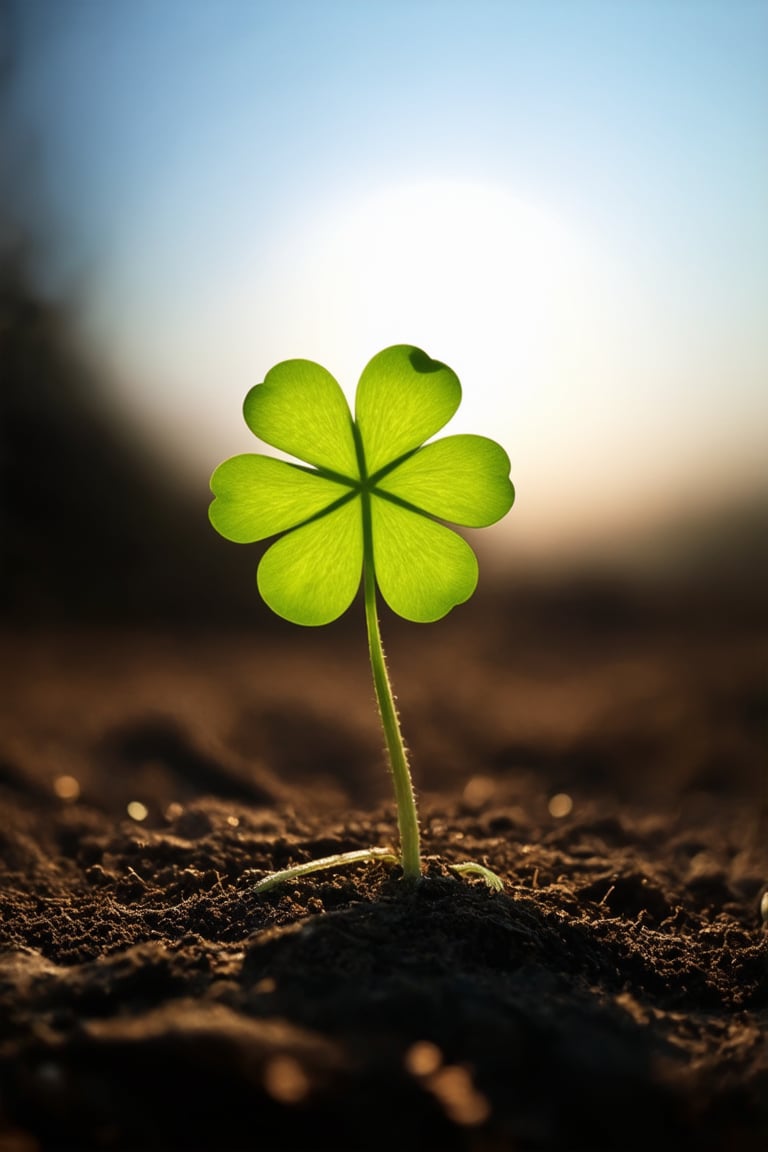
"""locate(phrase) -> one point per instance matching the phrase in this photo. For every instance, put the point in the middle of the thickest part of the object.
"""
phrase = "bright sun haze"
(562, 201)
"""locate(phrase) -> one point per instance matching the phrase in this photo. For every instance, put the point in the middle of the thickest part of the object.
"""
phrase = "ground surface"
(615, 996)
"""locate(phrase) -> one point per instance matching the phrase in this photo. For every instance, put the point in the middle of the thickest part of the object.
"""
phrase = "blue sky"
(565, 201)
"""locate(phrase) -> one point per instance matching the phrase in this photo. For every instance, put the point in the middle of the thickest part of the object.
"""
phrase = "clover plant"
(367, 504)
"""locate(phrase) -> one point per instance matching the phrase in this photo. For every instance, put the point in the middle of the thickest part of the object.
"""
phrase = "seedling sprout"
(368, 503)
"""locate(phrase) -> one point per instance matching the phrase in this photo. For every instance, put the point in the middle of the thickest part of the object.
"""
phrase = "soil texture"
(607, 758)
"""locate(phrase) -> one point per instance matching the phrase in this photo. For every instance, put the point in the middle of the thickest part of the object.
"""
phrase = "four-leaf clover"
(371, 492)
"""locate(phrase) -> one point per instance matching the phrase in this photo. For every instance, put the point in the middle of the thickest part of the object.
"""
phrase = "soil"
(606, 757)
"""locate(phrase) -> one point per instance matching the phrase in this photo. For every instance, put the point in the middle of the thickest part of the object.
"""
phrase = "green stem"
(407, 818)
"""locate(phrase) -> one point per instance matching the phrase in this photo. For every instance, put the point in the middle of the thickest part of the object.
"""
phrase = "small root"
(338, 860)
(494, 882)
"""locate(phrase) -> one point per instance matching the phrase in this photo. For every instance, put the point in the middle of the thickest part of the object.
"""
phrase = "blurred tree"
(90, 527)
(93, 527)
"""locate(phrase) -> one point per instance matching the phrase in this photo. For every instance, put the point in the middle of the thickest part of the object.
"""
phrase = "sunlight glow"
(565, 352)
(565, 205)
(486, 283)
(502, 291)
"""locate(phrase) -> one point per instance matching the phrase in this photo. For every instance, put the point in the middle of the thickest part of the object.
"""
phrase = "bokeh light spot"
(66, 787)
(461, 1101)
(285, 1080)
(423, 1058)
(561, 804)
(478, 791)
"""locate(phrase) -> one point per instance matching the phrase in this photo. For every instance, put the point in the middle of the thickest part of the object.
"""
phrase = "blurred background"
(565, 201)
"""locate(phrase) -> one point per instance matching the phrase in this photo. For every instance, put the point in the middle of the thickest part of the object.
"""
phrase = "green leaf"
(311, 575)
(300, 409)
(464, 479)
(422, 568)
(403, 398)
(257, 496)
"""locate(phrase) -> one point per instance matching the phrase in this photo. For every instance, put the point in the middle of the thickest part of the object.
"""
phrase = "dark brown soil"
(615, 996)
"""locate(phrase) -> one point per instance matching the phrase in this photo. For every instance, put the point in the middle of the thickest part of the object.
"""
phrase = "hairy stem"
(407, 818)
